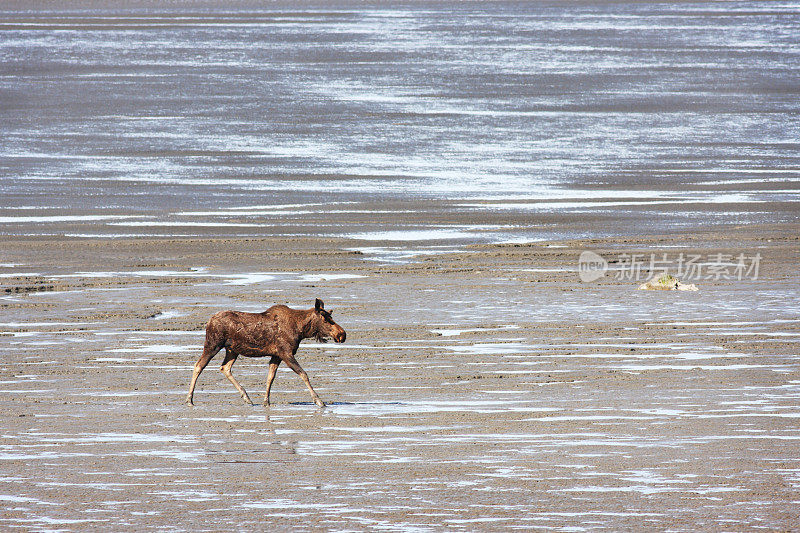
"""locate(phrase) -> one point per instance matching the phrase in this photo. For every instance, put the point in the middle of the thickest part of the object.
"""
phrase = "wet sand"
(432, 171)
(481, 389)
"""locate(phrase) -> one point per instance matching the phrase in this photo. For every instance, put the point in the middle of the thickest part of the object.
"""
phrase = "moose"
(276, 333)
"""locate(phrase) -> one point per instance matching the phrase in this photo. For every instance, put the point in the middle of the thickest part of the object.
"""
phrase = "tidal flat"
(474, 391)
(433, 171)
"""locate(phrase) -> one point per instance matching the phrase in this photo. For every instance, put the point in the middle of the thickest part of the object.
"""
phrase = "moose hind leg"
(230, 358)
(294, 365)
(208, 353)
(273, 369)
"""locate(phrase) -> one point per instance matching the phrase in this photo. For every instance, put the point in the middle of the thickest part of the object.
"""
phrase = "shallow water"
(398, 123)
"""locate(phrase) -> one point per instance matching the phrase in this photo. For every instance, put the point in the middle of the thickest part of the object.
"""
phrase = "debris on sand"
(666, 282)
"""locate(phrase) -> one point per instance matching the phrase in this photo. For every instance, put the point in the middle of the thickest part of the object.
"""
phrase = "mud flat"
(483, 388)
(432, 170)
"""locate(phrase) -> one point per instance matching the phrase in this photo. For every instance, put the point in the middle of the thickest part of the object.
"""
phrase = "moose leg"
(273, 369)
(230, 358)
(292, 363)
(208, 353)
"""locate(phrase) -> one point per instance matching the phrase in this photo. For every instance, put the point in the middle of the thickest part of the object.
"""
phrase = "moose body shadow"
(276, 333)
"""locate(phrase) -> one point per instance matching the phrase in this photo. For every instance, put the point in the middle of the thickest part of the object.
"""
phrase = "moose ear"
(319, 305)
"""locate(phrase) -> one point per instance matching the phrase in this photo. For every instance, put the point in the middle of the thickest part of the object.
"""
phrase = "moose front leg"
(273, 369)
(292, 363)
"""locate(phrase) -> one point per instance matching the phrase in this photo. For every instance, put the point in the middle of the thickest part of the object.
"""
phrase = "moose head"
(322, 325)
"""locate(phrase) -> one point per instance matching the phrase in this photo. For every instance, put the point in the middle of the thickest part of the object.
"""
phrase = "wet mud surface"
(481, 389)
(432, 171)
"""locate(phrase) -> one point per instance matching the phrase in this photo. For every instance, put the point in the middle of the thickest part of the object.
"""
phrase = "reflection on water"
(252, 120)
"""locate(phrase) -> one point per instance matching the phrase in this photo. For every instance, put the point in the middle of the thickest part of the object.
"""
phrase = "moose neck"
(307, 320)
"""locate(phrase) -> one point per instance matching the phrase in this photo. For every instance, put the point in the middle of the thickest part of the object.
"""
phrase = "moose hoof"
(319, 402)
(189, 402)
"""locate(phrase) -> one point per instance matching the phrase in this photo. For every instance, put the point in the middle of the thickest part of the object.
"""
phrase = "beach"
(483, 389)
(475, 190)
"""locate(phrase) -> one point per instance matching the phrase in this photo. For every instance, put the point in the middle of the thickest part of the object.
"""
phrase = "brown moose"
(276, 333)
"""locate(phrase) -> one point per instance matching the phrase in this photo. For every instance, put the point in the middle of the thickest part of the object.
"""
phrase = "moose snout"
(339, 336)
